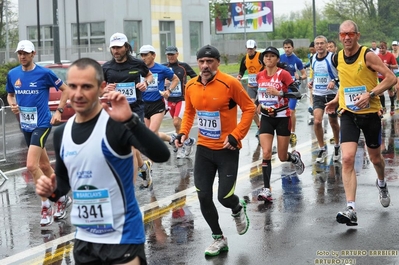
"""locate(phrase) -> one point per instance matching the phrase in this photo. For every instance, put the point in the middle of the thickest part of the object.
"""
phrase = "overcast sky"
(285, 7)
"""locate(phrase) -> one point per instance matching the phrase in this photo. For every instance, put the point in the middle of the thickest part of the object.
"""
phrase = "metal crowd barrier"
(3, 128)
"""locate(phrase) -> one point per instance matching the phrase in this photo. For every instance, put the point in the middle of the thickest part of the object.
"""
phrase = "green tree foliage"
(3, 79)
(7, 11)
(219, 8)
(377, 19)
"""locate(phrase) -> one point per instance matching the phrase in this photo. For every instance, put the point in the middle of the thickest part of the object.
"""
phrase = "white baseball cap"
(25, 46)
(147, 49)
(394, 42)
(118, 40)
(250, 44)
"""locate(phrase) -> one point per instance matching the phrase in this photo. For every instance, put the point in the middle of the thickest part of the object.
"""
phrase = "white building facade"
(160, 23)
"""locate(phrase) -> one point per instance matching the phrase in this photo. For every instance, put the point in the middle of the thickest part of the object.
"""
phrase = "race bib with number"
(28, 118)
(209, 124)
(252, 80)
(177, 92)
(320, 81)
(153, 86)
(351, 93)
(92, 211)
(129, 90)
(265, 99)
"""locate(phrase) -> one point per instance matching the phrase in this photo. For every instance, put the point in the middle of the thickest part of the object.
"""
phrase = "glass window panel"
(195, 37)
(132, 29)
(97, 41)
(97, 29)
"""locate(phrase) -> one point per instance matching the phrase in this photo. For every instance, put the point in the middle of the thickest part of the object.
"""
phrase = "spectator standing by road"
(28, 88)
(123, 73)
(324, 85)
(94, 160)
(252, 62)
(274, 83)
(213, 97)
(359, 106)
(294, 64)
(176, 103)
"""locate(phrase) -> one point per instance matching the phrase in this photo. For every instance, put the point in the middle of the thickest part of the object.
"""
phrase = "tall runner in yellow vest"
(252, 62)
(359, 105)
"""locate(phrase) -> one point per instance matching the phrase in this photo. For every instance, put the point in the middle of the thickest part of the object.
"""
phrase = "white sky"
(285, 7)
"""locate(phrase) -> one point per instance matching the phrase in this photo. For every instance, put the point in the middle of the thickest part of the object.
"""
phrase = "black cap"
(208, 51)
(171, 50)
(272, 50)
(311, 44)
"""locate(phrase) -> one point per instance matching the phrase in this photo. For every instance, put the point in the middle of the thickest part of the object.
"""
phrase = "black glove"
(232, 141)
(179, 136)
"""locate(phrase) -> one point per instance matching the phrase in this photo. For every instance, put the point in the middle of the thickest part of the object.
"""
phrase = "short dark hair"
(288, 41)
(333, 42)
(83, 63)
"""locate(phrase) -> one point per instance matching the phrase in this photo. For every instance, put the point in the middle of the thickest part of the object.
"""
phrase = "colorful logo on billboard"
(247, 17)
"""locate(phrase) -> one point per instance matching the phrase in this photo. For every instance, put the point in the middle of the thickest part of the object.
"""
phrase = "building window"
(46, 37)
(195, 37)
(132, 30)
(166, 37)
(92, 36)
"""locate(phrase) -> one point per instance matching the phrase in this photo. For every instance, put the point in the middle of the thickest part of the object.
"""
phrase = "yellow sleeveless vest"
(354, 77)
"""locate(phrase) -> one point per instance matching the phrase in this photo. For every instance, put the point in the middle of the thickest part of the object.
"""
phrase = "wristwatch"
(61, 110)
(131, 123)
(281, 93)
(372, 94)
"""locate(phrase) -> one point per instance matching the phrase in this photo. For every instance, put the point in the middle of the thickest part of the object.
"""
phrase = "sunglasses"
(350, 34)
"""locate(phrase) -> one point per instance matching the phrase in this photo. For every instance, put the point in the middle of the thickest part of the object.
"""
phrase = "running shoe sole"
(342, 219)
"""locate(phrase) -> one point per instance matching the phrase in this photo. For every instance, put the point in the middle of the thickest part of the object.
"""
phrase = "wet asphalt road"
(299, 227)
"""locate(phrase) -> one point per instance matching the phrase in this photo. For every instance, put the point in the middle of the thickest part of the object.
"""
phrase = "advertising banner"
(246, 17)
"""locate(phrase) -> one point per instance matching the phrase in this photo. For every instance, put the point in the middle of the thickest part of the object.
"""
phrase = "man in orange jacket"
(213, 96)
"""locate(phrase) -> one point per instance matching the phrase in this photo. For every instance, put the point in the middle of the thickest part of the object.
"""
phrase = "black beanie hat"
(208, 51)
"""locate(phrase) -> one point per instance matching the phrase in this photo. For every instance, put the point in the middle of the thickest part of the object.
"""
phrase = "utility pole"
(56, 33)
(314, 20)
(7, 57)
(39, 42)
(78, 26)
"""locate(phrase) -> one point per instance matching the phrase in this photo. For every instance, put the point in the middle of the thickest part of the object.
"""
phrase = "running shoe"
(47, 216)
(337, 154)
(274, 150)
(241, 219)
(181, 152)
(219, 244)
(321, 156)
(348, 217)
(172, 142)
(265, 195)
(293, 139)
(310, 110)
(146, 175)
(299, 165)
(385, 199)
(188, 147)
(61, 208)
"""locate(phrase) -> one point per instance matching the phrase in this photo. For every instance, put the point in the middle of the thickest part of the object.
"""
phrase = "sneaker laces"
(321, 153)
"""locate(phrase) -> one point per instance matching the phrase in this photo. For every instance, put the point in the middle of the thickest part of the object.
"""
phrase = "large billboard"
(257, 14)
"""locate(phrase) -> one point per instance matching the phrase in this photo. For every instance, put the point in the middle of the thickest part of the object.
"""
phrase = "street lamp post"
(314, 19)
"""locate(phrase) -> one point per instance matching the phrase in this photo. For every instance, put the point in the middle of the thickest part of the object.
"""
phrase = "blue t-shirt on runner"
(32, 91)
(293, 62)
(159, 74)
